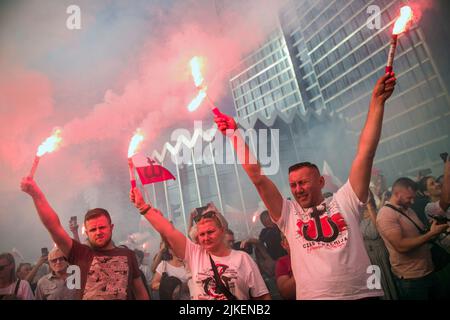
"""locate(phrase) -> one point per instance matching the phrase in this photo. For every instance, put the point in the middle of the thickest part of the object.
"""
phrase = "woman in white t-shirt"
(11, 287)
(218, 272)
(174, 267)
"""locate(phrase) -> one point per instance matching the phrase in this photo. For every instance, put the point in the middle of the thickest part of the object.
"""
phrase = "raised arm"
(33, 272)
(266, 188)
(176, 239)
(47, 215)
(370, 136)
(444, 202)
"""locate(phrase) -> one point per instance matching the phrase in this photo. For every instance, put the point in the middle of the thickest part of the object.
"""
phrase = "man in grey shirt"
(53, 285)
(409, 249)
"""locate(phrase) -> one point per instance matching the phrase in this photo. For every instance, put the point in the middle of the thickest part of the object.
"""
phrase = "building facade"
(311, 80)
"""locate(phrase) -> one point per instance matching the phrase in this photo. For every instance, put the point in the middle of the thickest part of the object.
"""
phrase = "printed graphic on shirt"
(322, 227)
(107, 278)
(206, 281)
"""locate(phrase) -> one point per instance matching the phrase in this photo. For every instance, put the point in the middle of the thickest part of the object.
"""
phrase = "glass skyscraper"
(312, 79)
(336, 59)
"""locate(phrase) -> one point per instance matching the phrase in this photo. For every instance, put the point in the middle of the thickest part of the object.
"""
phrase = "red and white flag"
(149, 171)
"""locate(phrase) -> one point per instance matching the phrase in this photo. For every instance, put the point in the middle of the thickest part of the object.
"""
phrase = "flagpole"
(146, 196)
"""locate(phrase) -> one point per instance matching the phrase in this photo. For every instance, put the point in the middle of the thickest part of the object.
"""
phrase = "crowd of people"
(314, 246)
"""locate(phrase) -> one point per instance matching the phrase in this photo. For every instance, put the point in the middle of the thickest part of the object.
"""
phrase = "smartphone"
(74, 219)
(425, 172)
(444, 156)
(44, 252)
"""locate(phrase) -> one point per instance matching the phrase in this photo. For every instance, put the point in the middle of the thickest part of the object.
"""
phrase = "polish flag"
(149, 171)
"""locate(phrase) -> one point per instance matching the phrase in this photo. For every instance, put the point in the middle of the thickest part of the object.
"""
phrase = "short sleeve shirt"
(328, 256)
(238, 272)
(415, 263)
(179, 272)
(105, 275)
(24, 291)
(283, 267)
(50, 287)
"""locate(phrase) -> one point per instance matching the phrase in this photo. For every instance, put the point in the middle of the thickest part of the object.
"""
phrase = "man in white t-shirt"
(328, 257)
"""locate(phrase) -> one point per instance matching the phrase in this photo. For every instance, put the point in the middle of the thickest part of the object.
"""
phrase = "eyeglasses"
(58, 259)
(4, 266)
(207, 214)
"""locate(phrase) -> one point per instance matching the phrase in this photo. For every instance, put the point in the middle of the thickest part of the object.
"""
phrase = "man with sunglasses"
(53, 286)
(328, 257)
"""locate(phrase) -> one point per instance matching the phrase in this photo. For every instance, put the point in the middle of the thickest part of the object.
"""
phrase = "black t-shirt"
(419, 208)
(271, 238)
(105, 275)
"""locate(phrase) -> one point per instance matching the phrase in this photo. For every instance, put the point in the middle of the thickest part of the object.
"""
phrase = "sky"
(126, 67)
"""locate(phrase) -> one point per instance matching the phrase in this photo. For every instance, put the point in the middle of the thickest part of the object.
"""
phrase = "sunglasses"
(4, 266)
(58, 259)
(207, 214)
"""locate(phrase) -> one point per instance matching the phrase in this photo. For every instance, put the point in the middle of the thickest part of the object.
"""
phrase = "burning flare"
(197, 101)
(199, 81)
(401, 25)
(133, 148)
(196, 66)
(135, 143)
(403, 21)
(50, 144)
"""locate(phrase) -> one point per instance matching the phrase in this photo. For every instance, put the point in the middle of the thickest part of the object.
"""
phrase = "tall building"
(311, 80)
(336, 59)
(265, 80)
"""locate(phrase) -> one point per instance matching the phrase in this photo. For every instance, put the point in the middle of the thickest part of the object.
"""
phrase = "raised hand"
(384, 87)
(28, 185)
(226, 124)
(136, 198)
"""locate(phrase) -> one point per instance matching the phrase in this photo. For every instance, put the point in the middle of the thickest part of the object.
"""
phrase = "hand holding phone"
(44, 252)
(444, 156)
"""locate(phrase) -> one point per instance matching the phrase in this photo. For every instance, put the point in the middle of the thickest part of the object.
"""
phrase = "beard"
(94, 245)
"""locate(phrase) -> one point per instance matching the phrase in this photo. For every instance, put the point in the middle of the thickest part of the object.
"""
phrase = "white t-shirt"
(434, 209)
(24, 292)
(178, 272)
(238, 272)
(329, 259)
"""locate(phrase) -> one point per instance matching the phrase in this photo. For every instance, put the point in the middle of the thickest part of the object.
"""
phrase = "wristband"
(143, 211)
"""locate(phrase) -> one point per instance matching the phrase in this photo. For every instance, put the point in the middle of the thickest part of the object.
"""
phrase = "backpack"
(167, 285)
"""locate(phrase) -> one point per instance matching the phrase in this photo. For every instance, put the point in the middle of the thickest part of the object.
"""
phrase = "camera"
(440, 219)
